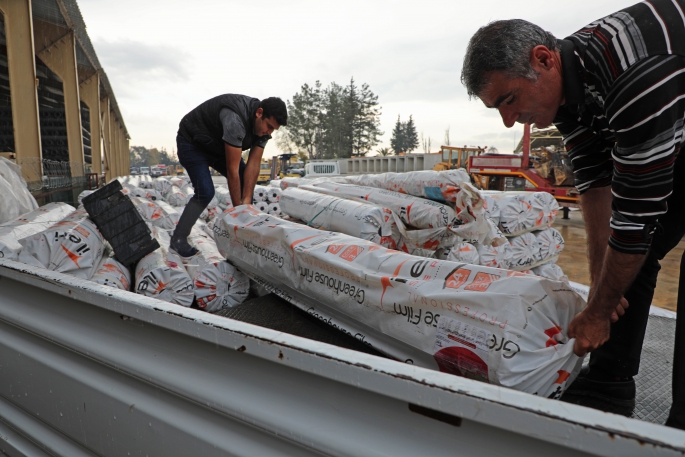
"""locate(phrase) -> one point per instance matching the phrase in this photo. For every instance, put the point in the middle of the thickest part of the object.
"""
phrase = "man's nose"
(509, 116)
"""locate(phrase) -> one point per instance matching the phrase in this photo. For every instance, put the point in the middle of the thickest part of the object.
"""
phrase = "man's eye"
(511, 100)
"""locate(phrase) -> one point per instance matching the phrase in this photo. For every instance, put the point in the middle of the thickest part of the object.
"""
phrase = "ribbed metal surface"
(48, 11)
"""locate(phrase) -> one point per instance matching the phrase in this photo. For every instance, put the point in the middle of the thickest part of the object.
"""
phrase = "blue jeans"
(197, 165)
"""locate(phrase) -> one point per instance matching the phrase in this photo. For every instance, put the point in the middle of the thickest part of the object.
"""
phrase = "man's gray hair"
(502, 46)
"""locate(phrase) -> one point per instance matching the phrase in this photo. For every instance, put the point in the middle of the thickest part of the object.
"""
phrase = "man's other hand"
(620, 309)
(590, 331)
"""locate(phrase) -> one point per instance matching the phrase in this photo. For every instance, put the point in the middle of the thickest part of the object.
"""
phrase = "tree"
(447, 136)
(140, 156)
(335, 122)
(426, 144)
(304, 120)
(411, 139)
(397, 140)
(384, 151)
(365, 119)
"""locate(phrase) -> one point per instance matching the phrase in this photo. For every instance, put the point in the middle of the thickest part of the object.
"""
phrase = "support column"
(107, 138)
(60, 57)
(22, 74)
(127, 144)
(90, 94)
(114, 141)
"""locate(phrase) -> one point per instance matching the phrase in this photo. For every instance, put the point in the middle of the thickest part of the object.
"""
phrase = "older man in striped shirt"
(616, 91)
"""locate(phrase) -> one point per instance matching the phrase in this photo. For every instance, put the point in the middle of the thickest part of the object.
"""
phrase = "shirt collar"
(573, 86)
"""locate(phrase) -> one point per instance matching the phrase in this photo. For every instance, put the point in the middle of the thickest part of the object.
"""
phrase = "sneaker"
(182, 248)
(611, 396)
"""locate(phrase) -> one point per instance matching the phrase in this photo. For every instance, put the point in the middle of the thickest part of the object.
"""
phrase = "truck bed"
(89, 370)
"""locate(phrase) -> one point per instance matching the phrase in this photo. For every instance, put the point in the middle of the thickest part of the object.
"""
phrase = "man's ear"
(541, 58)
(259, 113)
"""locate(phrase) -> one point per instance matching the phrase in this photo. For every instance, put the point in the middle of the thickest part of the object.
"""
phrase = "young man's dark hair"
(275, 107)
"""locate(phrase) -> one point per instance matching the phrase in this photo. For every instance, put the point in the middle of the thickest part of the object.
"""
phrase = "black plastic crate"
(120, 223)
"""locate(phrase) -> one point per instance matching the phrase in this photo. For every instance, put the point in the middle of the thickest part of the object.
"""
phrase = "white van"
(316, 169)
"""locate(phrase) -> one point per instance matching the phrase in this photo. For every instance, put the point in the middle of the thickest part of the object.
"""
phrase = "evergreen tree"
(411, 139)
(304, 120)
(397, 139)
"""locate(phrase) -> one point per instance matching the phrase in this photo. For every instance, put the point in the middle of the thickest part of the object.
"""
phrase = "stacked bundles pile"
(175, 197)
(32, 223)
(483, 323)
(73, 245)
(525, 218)
(217, 283)
(223, 198)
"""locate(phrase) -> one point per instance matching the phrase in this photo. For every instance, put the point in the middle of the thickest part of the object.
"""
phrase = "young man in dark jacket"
(214, 135)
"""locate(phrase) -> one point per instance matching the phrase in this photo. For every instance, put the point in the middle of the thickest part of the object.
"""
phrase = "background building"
(59, 119)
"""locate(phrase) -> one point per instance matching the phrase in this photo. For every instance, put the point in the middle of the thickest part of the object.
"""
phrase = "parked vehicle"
(135, 171)
(315, 169)
(144, 170)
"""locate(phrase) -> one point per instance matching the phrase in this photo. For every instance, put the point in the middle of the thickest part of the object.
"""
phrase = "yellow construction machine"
(456, 157)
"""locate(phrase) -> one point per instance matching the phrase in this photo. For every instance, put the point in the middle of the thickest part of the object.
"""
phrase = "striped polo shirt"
(622, 121)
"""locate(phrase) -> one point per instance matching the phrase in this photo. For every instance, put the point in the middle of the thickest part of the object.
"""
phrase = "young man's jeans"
(197, 165)
(620, 356)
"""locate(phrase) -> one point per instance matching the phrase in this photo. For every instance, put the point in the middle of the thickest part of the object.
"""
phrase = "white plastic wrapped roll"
(275, 183)
(147, 193)
(223, 197)
(275, 209)
(525, 251)
(358, 219)
(440, 186)
(551, 243)
(178, 181)
(550, 271)
(522, 212)
(16, 198)
(262, 207)
(259, 194)
(175, 197)
(83, 195)
(494, 256)
(162, 185)
(492, 209)
(11, 232)
(413, 211)
(73, 246)
(217, 284)
(145, 182)
(273, 194)
(432, 313)
(133, 180)
(112, 273)
(462, 252)
(170, 217)
(157, 213)
(161, 274)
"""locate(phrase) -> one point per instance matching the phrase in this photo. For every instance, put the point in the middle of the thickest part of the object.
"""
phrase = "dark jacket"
(202, 126)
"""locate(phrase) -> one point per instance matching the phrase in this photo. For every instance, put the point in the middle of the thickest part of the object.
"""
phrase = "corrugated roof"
(67, 14)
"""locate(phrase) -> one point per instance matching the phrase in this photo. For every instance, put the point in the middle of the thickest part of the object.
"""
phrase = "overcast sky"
(164, 57)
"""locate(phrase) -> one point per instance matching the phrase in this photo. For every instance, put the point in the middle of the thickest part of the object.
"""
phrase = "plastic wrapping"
(441, 186)
(551, 271)
(262, 206)
(39, 220)
(495, 256)
(522, 212)
(161, 274)
(525, 251)
(260, 194)
(16, 198)
(216, 283)
(112, 273)
(273, 195)
(484, 323)
(73, 246)
(162, 185)
(274, 208)
(461, 252)
(551, 243)
(175, 197)
(491, 209)
(358, 219)
(413, 211)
